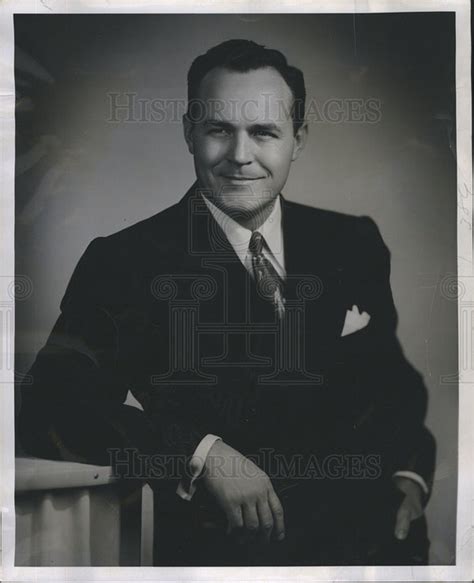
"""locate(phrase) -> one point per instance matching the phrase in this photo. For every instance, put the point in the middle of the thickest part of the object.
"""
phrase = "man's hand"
(244, 492)
(411, 507)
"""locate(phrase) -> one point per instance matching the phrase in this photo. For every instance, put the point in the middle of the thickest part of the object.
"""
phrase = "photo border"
(463, 570)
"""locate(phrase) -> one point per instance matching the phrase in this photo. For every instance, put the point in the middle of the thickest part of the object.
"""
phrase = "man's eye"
(264, 134)
(219, 132)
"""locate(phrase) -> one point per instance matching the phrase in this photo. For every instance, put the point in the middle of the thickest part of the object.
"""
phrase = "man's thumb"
(402, 525)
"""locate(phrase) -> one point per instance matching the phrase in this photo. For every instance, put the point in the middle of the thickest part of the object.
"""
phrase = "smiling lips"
(242, 178)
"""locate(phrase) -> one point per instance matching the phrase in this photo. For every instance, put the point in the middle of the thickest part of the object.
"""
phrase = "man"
(259, 337)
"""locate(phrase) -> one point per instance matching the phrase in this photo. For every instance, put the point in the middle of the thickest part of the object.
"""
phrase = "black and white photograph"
(238, 325)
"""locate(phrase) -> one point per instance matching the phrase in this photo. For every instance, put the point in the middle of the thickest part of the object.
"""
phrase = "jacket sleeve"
(74, 407)
(396, 420)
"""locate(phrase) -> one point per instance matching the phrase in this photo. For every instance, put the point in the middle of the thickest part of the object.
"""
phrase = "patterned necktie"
(269, 283)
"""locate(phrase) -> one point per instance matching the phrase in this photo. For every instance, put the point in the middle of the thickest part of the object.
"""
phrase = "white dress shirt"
(239, 238)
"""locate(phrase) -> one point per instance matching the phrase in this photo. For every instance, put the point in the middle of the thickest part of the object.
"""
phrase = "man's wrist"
(414, 477)
(198, 461)
(187, 485)
(412, 489)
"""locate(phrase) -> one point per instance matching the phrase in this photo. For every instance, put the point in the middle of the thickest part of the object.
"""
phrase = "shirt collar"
(239, 237)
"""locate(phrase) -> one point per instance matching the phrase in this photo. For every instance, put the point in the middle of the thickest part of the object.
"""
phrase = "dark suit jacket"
(165, 309)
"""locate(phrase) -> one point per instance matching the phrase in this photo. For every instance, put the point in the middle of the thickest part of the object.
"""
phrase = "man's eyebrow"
(269, 127)
(218, 122)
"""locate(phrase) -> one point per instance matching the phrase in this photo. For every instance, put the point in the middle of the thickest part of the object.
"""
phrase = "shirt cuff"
(186, 489)
(415, 477)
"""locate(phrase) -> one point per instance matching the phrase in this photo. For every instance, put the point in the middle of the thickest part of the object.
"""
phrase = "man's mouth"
(234, 178)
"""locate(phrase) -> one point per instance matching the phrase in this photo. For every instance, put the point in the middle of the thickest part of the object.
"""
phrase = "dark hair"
(246, 55)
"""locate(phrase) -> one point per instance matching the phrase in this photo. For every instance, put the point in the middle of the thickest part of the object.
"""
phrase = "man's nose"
(240, 150)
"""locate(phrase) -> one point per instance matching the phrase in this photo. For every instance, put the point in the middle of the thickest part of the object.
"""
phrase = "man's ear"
(188, 133)
(299, 140)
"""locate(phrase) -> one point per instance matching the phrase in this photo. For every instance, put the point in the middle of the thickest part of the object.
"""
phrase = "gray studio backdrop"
(81, 175)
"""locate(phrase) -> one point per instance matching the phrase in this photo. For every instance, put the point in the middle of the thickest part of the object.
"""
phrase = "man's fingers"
(266, 519)
(251, 521)
(278, 515)
(234, 519)
(402, 525)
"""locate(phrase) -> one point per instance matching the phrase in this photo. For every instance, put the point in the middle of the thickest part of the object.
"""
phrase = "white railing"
(71, 514)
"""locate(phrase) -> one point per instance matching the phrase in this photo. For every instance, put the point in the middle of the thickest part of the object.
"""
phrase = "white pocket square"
(354, 321)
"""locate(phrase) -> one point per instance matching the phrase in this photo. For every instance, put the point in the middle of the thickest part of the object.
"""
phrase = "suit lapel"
(313, 270)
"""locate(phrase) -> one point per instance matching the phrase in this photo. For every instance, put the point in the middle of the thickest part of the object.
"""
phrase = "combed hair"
(242, 56)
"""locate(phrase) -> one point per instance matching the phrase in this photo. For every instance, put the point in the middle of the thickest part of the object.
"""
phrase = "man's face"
(243, 140)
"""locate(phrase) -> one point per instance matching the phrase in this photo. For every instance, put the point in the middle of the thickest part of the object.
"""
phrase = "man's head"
(244, 125)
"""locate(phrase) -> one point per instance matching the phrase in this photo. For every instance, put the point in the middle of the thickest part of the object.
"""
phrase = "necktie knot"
(256, 243)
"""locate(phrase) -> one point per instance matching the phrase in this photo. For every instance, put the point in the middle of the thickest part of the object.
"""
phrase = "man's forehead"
(259, 95)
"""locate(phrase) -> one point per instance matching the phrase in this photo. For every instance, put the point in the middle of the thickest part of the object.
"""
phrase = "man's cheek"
(211, 158)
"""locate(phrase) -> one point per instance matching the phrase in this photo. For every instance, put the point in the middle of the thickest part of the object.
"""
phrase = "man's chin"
(250, 217)
(244, 199)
